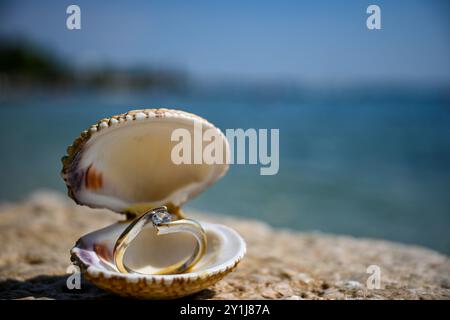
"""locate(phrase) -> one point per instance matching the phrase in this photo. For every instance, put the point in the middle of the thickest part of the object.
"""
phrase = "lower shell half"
(93, 253)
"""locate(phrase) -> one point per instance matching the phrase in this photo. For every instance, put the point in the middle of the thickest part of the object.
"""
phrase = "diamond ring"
(163, 223)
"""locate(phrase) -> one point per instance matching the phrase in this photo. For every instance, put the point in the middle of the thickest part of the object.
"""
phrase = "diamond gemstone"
(160, 217)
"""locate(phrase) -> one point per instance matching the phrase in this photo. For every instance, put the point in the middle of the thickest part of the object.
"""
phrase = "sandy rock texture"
(37, 234)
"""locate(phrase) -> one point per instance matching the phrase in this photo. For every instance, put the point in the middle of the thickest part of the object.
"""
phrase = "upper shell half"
(125, 163)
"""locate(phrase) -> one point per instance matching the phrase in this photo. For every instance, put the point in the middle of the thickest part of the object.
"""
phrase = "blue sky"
(316, 41)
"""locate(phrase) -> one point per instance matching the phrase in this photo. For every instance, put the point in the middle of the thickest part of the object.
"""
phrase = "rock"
(353, 285)
(293, 298)
(280, 264)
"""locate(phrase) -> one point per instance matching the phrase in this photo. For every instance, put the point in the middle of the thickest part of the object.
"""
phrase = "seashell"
(124, 164)
(94, 254)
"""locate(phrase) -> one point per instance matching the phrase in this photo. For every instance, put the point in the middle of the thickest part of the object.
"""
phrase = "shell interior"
(94, 252)
(126, 165)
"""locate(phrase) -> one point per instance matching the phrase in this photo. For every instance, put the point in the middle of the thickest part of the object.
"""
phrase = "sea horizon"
(362, 161)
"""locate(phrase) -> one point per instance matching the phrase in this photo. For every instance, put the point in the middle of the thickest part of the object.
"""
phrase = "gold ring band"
(161, 220)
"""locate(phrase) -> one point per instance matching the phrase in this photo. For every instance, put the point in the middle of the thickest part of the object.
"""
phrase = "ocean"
(363, 162)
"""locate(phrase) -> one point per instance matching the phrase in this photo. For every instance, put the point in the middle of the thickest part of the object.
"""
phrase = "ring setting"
(160, 216)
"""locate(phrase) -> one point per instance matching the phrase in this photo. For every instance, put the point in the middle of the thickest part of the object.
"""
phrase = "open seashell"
(124, 164)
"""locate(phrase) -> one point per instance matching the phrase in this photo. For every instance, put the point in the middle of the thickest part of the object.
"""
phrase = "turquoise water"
(367, 164)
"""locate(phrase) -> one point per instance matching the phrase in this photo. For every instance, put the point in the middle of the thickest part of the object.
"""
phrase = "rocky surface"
(36, 236)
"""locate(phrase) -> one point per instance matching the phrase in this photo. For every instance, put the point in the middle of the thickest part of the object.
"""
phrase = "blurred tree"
(21, 63)
(26, 65)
